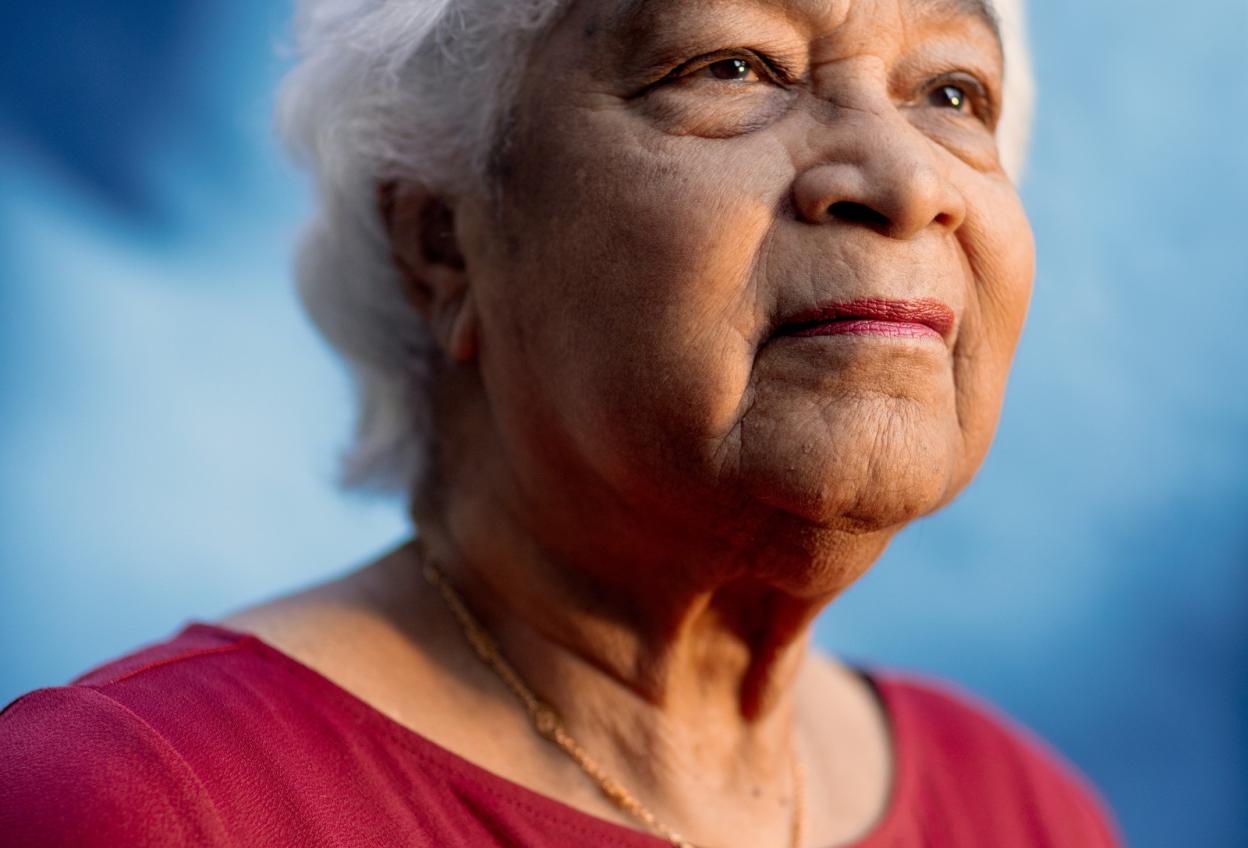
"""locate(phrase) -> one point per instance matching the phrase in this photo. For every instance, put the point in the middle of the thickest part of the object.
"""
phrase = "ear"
(425, 246)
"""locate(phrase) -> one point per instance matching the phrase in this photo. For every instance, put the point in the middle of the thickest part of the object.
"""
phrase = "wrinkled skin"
(645, 484)
(655, 233)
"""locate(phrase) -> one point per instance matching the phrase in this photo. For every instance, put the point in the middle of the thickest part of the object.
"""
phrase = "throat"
(746, 644)
(733, 651)
(690, 698)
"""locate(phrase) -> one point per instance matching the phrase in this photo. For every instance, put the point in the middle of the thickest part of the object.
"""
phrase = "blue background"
(169, 421)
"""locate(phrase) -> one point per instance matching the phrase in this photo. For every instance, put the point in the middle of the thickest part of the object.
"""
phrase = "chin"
(860, 471)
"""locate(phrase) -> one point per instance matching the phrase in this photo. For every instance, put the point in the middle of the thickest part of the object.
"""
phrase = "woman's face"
(703, 203)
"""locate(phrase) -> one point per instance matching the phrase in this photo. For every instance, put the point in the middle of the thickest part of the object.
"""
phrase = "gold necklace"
(548, 724)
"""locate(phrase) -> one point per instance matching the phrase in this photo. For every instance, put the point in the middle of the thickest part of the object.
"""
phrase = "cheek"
(627, 300)
(1001, 253)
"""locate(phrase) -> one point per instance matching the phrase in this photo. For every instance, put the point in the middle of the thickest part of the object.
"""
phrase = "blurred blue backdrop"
(169, 420)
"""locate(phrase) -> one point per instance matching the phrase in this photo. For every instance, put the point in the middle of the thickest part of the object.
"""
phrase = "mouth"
(873, 317)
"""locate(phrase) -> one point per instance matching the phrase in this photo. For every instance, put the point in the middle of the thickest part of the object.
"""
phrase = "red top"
(217, 739)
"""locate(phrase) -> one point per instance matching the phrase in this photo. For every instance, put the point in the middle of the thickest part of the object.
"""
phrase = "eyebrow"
(982, 10)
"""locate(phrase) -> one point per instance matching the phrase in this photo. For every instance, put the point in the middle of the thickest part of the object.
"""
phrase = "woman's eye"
(732, 70)
(950, 97)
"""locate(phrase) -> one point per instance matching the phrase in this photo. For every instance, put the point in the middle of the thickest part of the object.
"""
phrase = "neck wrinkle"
(700, 703)
(668, 647)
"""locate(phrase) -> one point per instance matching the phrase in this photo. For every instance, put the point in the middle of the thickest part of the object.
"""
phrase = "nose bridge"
(872, 166)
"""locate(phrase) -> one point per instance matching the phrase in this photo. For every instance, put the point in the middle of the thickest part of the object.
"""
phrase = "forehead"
(631, 11)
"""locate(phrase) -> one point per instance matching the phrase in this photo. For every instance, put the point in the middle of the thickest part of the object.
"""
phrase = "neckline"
(885, 826)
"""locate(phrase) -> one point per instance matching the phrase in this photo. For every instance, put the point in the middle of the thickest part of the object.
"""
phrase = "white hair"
(418, 90)
(391, 90)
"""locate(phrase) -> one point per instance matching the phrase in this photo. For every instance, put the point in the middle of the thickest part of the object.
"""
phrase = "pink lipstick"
(872, 316)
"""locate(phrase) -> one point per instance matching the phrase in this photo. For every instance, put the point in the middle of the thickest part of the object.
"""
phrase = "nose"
(882, 173)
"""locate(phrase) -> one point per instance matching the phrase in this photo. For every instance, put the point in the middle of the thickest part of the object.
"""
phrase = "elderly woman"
(667, 315)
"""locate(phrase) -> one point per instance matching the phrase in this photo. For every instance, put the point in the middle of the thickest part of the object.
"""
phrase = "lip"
(873, 316)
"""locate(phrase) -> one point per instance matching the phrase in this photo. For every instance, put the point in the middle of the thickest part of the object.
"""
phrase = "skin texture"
(645, 485)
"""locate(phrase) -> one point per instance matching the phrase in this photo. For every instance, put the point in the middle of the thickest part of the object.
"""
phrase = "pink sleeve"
(79, 769)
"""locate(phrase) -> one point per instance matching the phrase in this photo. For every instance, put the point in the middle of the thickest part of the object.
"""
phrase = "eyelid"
(763, 65)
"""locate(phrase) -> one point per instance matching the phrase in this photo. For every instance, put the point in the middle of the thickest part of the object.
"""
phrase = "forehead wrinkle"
(632, 10)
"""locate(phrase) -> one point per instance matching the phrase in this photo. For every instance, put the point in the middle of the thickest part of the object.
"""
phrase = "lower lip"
(870, 327)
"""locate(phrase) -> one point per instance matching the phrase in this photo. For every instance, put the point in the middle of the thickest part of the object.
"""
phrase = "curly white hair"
(418, 90)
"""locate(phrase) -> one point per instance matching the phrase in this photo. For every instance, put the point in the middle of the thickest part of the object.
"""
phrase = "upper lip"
(928, 311)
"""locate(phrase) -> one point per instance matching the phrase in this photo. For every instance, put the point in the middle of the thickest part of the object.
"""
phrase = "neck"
(663, 670)
(732, 648)
(672, 647)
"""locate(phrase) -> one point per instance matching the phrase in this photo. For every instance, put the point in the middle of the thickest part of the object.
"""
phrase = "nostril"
(857, 213)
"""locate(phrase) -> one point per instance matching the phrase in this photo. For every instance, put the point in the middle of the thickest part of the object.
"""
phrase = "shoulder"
(78, 768)
(122, 755)
(965, 766)
(212, 738)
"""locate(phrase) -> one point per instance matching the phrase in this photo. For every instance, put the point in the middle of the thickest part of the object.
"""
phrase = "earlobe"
(463, 339)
